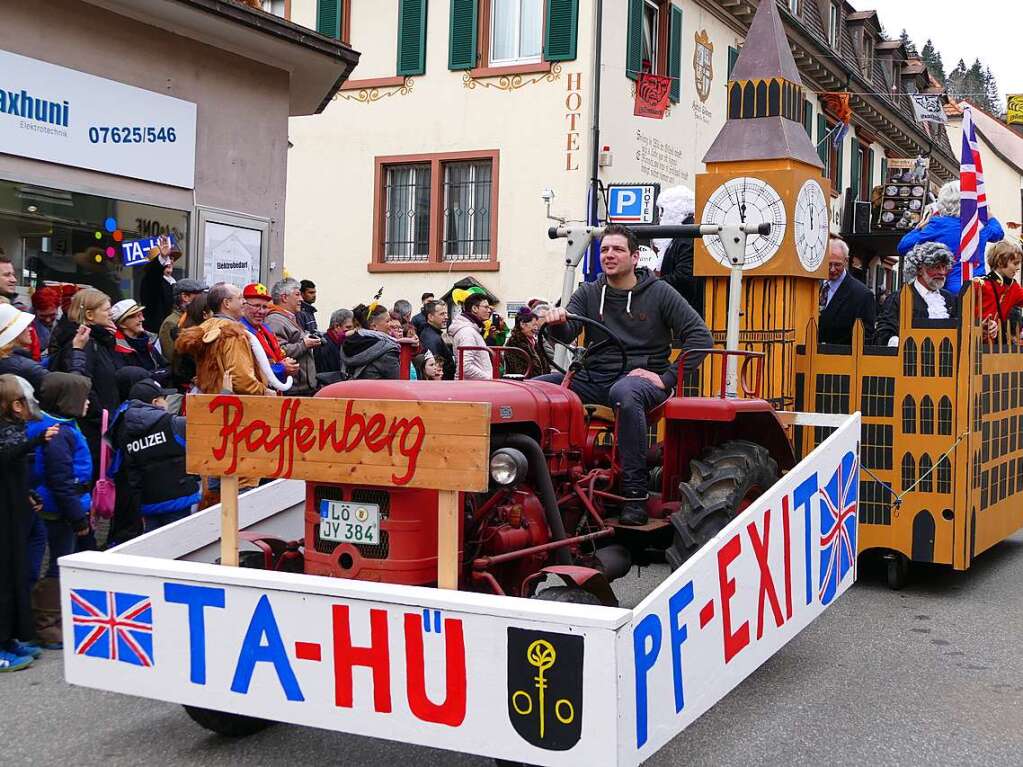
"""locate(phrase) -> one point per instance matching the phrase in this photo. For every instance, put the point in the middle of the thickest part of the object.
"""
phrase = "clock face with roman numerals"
(746, 200)
(811, 225)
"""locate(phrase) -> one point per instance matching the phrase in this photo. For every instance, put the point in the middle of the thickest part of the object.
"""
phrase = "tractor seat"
(601, 412)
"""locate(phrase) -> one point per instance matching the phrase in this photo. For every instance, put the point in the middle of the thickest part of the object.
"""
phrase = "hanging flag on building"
(928, 108)
(973, 212)
(652, 92)
(1014, 110)
(838, 105)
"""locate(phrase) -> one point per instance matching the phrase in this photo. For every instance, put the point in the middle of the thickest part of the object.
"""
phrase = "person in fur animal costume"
(221, 345)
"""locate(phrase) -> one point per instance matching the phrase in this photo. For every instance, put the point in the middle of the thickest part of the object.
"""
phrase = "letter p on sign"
(632, 204)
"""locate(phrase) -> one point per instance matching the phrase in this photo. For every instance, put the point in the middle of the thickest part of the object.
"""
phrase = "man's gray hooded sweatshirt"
(645, 319)
(369, 354)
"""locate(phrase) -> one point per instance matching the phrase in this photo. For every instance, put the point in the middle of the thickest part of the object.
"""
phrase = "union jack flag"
(838, 527)
(973, 212)
(113, 625)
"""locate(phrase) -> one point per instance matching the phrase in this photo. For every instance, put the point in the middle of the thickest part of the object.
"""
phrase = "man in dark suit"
(843, 300)
(925, 269)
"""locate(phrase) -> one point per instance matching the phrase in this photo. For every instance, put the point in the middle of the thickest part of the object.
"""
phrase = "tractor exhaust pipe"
(541, 477)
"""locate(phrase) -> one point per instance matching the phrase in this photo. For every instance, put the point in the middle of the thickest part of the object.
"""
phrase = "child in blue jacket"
(62, 477)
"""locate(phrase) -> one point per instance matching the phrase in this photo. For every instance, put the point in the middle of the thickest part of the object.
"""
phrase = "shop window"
(435, 210)
(54, 236)
(926, 415)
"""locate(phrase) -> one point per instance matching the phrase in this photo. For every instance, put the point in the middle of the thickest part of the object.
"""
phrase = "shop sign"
(63, 116)
(136, 252)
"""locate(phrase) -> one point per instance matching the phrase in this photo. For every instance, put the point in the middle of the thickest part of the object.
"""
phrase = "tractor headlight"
(508, 466)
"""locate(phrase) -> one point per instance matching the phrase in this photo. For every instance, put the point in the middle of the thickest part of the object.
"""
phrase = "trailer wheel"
(898, 570)
(572, 594)
(223, 723)
(724, 481)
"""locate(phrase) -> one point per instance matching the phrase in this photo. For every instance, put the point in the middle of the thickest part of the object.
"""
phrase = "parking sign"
(631, 203)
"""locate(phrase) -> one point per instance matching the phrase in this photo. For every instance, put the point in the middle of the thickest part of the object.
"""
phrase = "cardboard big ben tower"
(763, 167)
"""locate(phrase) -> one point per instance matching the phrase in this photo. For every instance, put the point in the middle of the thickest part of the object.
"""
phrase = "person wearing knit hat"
(925, 269)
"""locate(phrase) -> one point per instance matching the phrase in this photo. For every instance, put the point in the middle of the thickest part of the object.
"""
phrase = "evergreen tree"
(906, 41)
(955, 82)
(975, 85)
(994, 98)
(932, 58)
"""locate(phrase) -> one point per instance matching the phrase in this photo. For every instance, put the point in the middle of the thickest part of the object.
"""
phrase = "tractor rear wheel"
(723, 482)
(223, 723)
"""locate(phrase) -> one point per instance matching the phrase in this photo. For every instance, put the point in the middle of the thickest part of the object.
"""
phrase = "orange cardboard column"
(229, 520)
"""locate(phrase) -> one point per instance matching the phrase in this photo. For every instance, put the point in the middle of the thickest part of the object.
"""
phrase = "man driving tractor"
(645, 314)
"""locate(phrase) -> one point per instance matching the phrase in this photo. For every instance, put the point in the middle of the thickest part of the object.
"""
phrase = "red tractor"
(552, 505)
(554, 497)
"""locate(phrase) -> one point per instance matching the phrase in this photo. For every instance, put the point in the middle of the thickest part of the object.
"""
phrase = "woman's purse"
(103, 493)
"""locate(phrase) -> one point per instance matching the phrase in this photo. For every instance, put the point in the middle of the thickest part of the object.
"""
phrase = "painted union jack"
(973, 211)
(838, 527)
(113, 625)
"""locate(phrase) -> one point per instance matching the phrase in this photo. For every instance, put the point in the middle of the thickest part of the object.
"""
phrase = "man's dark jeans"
(632, 397)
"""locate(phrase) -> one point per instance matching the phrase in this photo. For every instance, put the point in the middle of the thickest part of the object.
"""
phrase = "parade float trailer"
(527, 680)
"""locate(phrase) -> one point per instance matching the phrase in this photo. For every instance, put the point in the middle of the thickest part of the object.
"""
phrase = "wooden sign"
(389, 443)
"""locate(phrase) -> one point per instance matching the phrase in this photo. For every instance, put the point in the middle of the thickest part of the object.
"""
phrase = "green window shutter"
(808, 118)
(822, 145)
(562, 30)
(870, 173)
(462, 39)
(857, 157)
(412, 37)
(634, 46)
(328, 17)
(733, 56)
(675, 54)
(884, 170)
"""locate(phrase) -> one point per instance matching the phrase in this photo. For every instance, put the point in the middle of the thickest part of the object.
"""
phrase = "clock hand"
(742, 206)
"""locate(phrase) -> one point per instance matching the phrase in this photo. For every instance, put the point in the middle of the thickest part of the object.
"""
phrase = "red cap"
(256, 290)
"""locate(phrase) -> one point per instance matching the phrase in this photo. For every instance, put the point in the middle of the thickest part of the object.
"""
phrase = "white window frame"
(495, 62)
(794, 7)
(834, 24)
(655, 37)
(270, 5)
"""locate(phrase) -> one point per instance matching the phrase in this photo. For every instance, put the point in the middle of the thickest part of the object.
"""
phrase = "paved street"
(929, 675)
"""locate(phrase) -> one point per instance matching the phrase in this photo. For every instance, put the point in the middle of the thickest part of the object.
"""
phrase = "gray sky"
(994, 37)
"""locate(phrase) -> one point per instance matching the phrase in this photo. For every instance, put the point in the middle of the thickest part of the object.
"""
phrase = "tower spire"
(765, 99)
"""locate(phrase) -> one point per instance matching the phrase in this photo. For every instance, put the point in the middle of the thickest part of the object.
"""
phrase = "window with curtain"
(407, 214)
(467, 210)
(651, 27)
(516, 31)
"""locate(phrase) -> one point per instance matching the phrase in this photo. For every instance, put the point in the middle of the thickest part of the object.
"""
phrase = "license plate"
(350, 522)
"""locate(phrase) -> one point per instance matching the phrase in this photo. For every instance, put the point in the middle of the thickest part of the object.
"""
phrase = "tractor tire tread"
(721, 479)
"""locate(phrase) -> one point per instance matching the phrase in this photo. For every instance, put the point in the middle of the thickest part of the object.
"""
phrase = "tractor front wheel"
(223, 723)
(723, 482)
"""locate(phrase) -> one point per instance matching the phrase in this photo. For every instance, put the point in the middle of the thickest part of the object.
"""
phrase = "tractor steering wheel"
(581, 356)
